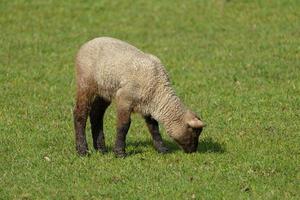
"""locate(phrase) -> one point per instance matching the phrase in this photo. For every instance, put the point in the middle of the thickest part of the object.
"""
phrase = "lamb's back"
(114, 64)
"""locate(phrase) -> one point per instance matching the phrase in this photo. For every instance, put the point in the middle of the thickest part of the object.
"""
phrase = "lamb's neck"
(168, 108)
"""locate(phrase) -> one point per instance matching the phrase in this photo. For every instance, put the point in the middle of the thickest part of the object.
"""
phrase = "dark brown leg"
(153, 128)
(98, 108)
(124, 108)
(80, 117)
(123, 124)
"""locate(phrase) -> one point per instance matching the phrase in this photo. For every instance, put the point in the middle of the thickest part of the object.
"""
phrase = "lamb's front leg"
(153, 128)
(123, 123)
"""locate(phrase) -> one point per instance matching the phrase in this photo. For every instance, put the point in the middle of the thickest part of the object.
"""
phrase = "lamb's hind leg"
(153, 128)
(80, 117)
(98, 108)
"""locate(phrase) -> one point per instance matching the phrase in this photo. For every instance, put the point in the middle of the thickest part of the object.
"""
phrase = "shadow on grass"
(206, 145)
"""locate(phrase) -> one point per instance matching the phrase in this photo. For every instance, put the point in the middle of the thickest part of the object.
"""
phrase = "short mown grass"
(236, 63)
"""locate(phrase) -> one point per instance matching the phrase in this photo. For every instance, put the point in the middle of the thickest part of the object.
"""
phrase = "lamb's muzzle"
(109, 69)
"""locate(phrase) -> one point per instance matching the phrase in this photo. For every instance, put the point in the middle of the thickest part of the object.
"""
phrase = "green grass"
(236, 63)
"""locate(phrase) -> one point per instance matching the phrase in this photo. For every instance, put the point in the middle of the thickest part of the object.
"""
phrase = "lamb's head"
(187, 133)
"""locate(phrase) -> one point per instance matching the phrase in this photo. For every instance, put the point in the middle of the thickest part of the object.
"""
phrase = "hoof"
(120, 153)
(162, 149)
(102, 150)
(82, 152)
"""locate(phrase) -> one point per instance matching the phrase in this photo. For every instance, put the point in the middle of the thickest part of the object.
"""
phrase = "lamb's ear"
(196, 123)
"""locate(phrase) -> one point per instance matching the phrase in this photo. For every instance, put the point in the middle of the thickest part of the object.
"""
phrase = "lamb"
(110, 69)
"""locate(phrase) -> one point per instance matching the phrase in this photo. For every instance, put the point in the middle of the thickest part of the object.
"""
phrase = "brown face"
(189, 140)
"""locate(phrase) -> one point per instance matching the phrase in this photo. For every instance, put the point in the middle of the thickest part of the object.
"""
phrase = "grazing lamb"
(108, 69)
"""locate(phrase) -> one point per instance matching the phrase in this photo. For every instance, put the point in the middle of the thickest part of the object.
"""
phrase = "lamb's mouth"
(188, 148)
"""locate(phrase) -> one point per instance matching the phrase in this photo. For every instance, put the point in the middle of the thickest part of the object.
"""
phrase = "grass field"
(236, 63)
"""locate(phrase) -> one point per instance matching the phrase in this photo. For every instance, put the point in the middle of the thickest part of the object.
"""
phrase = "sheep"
(110, 69)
